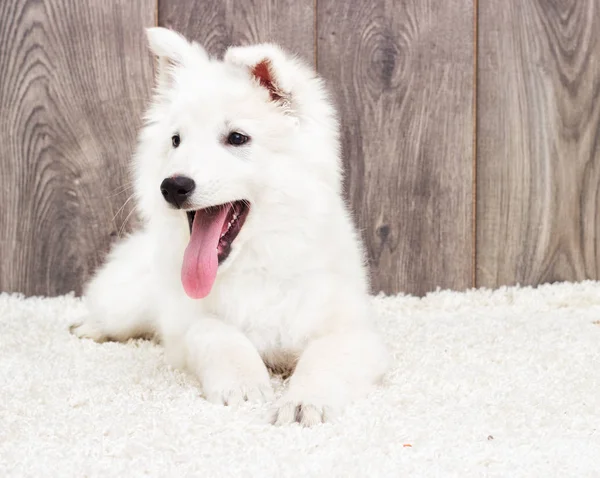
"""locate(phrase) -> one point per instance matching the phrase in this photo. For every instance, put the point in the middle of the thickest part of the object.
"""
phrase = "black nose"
(177, 189)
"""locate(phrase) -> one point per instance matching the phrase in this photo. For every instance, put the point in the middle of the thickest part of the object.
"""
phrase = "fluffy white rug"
(485, 383)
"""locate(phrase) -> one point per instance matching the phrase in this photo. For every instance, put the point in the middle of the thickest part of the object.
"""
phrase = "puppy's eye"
(237, 139)
(176, 140)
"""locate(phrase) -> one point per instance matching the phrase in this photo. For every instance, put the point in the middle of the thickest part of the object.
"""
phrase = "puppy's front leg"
(333, 370)
(228, 365)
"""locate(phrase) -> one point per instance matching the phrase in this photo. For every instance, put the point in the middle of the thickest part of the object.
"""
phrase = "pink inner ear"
(262, 71)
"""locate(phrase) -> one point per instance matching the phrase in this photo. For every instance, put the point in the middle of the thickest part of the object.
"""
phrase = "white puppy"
(247, 258)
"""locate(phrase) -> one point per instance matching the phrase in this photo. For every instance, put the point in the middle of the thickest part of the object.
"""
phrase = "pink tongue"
(200, 260)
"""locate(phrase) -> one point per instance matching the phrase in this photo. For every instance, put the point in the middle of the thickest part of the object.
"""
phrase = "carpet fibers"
(484, 383)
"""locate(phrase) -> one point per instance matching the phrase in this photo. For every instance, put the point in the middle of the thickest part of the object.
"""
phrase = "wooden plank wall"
(218, 24)
(472, 159)
(538, 166)
(403, 74)
(74, 77)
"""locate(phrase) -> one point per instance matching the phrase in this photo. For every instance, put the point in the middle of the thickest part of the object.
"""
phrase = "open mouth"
(212, 232)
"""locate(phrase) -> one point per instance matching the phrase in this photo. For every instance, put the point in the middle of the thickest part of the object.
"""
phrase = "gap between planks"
(474, 153)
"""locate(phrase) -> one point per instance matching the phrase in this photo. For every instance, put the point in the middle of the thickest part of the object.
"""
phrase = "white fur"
(294, 290)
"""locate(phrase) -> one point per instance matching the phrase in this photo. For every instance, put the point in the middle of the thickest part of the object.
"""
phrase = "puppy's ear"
(171, 49)
(167, 44)
(264, 73)
(268, 65)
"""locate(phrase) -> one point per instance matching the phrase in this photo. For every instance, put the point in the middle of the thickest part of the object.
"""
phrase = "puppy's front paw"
(233, 393)
(304, 413)
(233, 385)
(88, 330)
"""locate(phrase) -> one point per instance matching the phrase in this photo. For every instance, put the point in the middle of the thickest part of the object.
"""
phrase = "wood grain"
(218, 24)
(538, 142)
(74, 77)
(402, 72)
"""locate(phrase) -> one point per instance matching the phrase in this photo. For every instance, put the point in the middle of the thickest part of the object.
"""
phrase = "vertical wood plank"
(218, 24)
(402, 72)
(538, 142)
(74, 78)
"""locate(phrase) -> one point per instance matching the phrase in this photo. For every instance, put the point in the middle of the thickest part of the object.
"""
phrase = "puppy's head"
(226, 141)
